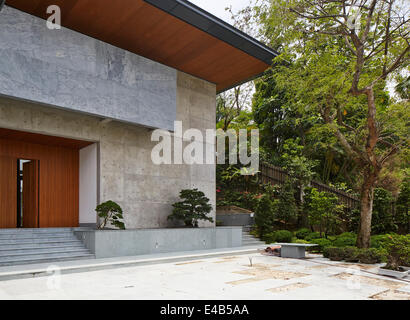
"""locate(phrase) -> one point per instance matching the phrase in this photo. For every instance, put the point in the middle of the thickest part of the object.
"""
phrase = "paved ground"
(229, 277)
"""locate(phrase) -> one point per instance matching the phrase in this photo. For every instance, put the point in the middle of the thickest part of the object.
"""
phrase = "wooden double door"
(48, 195)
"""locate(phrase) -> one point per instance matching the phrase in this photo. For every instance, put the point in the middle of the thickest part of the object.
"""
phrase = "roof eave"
(215, 27)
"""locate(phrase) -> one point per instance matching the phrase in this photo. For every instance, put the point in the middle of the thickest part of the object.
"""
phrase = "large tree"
(337, 60)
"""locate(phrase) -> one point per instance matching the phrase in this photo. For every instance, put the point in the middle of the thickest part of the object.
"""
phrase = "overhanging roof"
(173, 32)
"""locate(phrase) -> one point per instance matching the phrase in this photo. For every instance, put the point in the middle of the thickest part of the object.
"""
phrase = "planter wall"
(234, 216)
(239, 219)
(117, 243)
(393, 273)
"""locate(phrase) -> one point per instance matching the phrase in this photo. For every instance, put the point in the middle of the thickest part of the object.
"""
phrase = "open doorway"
(27, 193)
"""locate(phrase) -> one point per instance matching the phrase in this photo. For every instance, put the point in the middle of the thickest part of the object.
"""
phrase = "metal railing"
(277, 176)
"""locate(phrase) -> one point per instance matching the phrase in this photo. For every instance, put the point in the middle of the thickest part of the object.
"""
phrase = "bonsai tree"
(110, 212)
(398, 252)
(193, 207)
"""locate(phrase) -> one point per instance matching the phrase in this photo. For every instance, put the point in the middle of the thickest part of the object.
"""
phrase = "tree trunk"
(366, 207)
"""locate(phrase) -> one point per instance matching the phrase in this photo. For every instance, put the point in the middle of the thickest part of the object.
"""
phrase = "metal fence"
(277, 176)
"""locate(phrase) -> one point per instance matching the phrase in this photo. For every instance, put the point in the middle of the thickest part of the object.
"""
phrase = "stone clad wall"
(127, 174)
(69, 70)
(118, 243)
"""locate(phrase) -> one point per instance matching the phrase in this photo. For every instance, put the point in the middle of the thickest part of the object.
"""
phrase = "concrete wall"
(238, 219)
(88, 184)
(107, 243)
(126, 172)
(69, 70)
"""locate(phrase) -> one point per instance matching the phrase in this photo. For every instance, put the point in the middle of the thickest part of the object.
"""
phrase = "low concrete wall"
(238, 219)
(117, 243)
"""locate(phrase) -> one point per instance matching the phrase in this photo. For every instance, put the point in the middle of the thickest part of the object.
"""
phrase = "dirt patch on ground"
(226, 259)
(391, 295)
(357, 265)
(371, 281)
(189, 262)
(289, 287)
(259, 272)
(317, 267)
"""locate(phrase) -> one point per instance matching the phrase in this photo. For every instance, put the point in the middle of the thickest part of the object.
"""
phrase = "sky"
(217, 7)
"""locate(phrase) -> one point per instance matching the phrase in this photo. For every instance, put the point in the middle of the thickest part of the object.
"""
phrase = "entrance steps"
(28, 246)
(248, 239)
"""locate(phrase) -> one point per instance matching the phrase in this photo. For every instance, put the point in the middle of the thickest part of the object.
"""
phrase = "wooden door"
(30, 194)
(58, 175)
(8, 192)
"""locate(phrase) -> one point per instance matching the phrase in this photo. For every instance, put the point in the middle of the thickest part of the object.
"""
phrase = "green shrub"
(398, 252)
(269, 237)
(110, 212)
(370, 256)
(312, 235)
(334, 253)
(283, 236)
(323, 211)
(402, 215)
(286, 209)
(302, 233)
(264, 216)
(279, 236)
(382, 216)
(347, 235)
(380, 241)
(351, 254)
(301, 241)
(321, 244)
(193, 207)
(345, 241)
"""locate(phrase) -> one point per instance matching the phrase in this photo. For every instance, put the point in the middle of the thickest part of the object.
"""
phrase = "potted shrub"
(398, 257)
(110, 212)
(193, 207)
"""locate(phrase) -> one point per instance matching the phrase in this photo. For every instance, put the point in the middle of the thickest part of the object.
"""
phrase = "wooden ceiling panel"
(139, 27)
(42, 139)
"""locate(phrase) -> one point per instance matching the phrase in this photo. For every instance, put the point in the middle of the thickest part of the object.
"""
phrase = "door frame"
(36, 221)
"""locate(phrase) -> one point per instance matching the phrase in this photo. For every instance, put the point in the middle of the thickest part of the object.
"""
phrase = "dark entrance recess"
(27, 193)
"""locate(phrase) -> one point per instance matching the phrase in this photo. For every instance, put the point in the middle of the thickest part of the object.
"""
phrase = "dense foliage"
(193, 208)
(110, 212)
(328, 92)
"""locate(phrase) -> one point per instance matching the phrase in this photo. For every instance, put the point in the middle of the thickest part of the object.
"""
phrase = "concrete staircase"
(250, 240)
(28, 246)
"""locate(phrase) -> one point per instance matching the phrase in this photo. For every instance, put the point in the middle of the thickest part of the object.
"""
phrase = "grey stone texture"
(126, 173)
(69, 70)
(115, 243)
(239, 219)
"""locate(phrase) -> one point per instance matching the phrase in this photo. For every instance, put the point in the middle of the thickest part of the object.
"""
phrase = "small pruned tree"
(323, 211)
(286, 209)
(265, 215)
(398, 252)
(110, 212)
(193, 208)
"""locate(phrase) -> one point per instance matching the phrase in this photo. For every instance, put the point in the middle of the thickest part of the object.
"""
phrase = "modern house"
(78, 105)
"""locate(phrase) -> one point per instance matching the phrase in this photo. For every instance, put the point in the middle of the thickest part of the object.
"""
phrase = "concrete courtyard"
(228, 277)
